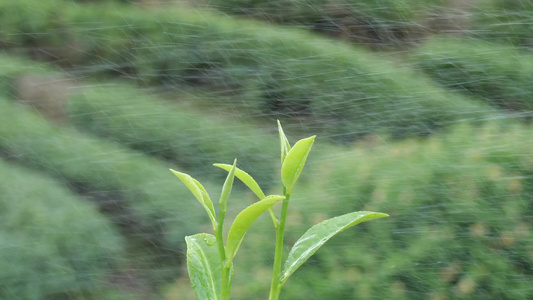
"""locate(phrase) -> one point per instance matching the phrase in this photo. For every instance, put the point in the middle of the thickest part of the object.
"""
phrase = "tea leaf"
(250, 182)
(226, 188)
(203, 264)
(285, 145)
(318, 235)
(243, 221)
(246, 178)
(199, 192)
(294, 162)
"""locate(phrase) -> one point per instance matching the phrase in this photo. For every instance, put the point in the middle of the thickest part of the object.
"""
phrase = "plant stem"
(225, 291)
(226, 286)
(275, 287)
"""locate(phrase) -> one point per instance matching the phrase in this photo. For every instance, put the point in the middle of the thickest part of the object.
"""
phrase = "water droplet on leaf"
(209, 242)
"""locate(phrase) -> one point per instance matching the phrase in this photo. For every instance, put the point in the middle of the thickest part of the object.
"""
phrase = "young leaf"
(191, 185)
(284, 142)
(318, 235)
(250, 182)
(294, 162)
(243, 221)
(203, 264)
(199, 192)
(205, 195)
(245, 178)
(226, 188)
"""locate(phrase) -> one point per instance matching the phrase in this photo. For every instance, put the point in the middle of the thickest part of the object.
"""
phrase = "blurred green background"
(422, 108)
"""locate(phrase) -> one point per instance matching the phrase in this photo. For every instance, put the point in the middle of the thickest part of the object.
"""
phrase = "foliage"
(127, 185)
(500, 75)
(338, 90)
(13, 66)
(368, 21)
(177, 134)
(153, 125)
(120, 1)
(459, 226)
(506, 21)
(53, 244)
(210, 261)
(460, 202)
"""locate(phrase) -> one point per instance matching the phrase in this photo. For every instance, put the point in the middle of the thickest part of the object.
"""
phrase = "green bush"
(369, 22)
(53, 245)
(499, 75)
(507, 21)
(138, 192)
(119, 1)
(257, 69)
(13, 66)
(178, 134)
(459, 227)
(187, 137)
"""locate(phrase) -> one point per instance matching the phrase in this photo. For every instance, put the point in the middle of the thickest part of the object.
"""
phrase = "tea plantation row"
(334, 89)
(53, 244)
(142, 198)
(396, 23)
(386, 23)
(494, 73)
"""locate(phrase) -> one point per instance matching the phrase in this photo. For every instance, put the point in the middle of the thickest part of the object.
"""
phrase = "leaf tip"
(280, 128)
(176, 172)
(377, 214)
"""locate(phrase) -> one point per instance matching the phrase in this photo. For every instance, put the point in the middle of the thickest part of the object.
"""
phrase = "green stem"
(275, 287)
(225, 291)
(226, 286)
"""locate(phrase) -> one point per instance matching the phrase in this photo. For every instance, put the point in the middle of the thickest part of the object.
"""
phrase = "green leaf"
(318, 235)
(243, 221)
(226, 188)
(294, 162)
(203, 264)
(246, 178)
(250, 182)
(284, 142)
(199, 192)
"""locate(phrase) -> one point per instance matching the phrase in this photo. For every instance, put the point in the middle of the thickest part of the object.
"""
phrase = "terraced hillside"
(53, 243)
(147, 207)
(98, 100)
(264, 71)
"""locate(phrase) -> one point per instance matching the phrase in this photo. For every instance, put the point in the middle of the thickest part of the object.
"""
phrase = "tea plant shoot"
(210, 259)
